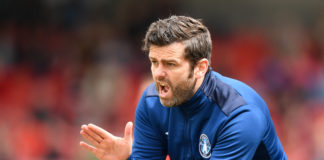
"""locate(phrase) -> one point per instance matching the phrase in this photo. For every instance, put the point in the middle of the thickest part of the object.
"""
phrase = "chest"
(192, 137)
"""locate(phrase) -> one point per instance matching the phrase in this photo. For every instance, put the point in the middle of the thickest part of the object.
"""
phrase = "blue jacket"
(225, 119)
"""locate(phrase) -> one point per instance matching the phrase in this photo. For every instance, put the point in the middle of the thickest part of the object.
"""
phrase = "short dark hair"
(190, 31)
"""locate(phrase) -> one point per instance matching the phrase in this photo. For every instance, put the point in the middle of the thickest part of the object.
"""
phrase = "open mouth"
(163, 90)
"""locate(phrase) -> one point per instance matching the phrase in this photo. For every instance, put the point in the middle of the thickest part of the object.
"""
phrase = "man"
(190, 111)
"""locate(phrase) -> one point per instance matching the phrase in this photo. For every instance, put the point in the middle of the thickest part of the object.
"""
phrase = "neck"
(199, 83)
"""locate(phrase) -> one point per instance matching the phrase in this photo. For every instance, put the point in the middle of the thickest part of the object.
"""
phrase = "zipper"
(188, 140)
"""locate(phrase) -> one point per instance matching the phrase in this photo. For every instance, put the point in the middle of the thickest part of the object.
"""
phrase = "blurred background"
(64, 63)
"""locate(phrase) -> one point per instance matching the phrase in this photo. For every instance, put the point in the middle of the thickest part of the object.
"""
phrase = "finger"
(93, 134)
(128, 135)
(89, 138)
(88, 147)
(101, 132)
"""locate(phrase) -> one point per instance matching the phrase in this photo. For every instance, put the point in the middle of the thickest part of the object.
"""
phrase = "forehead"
(173, 50)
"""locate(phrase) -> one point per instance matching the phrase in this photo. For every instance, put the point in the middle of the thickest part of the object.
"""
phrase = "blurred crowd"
(67, 63)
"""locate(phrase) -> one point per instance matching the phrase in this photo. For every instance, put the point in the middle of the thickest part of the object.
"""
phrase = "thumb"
(128, 135)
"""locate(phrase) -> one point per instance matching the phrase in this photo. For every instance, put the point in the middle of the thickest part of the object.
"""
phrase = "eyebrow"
(169, 60)
(165, 60)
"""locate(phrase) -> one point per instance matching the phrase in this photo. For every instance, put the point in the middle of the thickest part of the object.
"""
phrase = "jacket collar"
(196, 102)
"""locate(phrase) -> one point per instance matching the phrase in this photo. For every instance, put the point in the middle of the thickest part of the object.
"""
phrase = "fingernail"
(90, 124)
(129, 123)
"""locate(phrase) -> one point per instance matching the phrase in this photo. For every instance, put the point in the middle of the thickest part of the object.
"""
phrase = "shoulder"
(231, 94)
(150, 98)
(149, 103)
(150, 111)
(151, 91)
(222, 93)
(244, 90)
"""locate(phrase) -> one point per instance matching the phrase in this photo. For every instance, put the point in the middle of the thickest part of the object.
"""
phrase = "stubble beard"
(181, 93)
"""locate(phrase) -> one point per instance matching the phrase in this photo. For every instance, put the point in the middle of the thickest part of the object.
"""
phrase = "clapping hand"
(105, 145)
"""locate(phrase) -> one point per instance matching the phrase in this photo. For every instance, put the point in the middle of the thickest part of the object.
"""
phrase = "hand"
(105, 145)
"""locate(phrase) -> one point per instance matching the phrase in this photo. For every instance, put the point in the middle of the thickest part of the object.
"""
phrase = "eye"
(154, 62)
(170, 64)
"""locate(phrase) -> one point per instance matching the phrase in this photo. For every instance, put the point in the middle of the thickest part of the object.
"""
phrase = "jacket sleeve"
(240, 135)
(148, 141)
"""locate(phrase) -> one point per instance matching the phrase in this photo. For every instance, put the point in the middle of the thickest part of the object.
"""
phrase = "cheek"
(178, 78)
(153, 72)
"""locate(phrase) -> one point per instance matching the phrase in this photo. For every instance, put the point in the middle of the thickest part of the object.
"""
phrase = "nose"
(159, 72)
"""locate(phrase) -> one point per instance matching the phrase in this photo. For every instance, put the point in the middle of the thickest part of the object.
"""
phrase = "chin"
(167, 103)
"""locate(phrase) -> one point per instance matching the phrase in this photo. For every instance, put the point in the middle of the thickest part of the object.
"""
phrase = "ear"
(201, 68)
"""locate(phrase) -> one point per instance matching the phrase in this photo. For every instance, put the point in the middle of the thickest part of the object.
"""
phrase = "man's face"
(173, 76)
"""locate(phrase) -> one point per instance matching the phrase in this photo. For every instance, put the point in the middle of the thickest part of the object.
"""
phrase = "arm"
(240, 136)
(148, 141)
